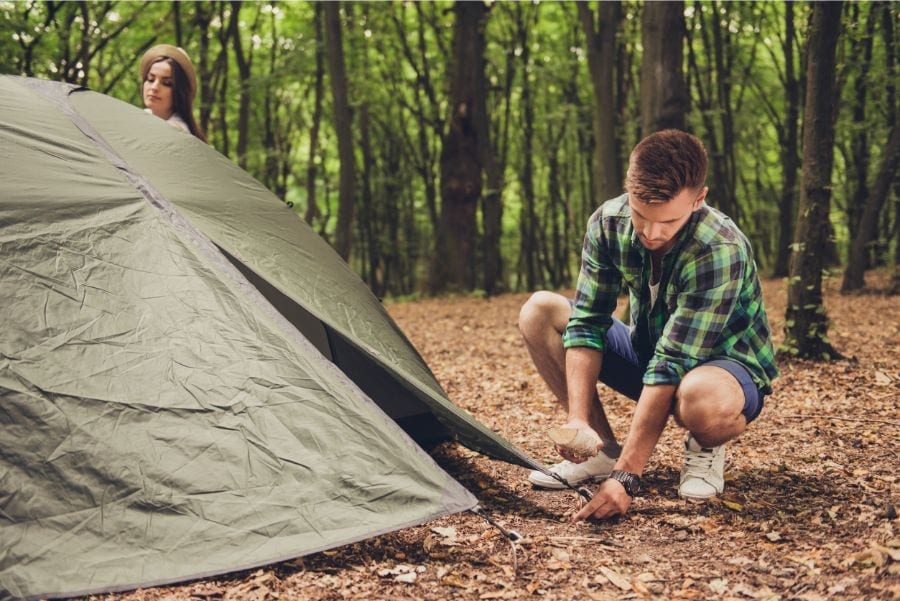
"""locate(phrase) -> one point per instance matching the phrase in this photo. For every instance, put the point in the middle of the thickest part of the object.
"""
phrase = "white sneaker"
(595, 468)
(703, 474)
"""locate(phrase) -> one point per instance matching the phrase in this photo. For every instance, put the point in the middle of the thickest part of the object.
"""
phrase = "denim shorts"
(623, 371)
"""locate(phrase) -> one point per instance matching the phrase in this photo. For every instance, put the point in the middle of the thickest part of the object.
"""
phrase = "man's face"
(657, 224)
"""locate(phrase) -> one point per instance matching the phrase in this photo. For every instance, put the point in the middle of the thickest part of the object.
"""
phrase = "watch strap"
(630, 482)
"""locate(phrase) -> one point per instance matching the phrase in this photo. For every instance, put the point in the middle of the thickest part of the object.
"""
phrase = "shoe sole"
(697, 500)
(557, 485)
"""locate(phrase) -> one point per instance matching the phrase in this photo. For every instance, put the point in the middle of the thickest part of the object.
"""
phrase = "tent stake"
(511, 535)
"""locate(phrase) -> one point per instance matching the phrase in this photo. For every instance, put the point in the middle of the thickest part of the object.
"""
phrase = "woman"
(169, 87)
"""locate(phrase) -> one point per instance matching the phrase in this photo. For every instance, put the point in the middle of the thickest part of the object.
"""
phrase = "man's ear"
(701, 198)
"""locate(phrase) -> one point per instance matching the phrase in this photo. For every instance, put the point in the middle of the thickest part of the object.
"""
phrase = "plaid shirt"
(709, 304)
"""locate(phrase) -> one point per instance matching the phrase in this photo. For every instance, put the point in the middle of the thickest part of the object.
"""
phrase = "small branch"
(842, 418)
(607, 544)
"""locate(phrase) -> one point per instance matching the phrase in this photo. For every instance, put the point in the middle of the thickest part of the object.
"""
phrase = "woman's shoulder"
(176, 121)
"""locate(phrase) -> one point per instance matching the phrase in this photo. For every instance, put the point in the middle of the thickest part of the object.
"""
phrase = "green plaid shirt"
(709, 304)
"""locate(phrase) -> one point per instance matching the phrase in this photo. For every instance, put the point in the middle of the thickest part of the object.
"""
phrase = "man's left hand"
(610, 500)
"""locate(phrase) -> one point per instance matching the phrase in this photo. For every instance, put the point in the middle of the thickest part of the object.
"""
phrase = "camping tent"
(191, 380)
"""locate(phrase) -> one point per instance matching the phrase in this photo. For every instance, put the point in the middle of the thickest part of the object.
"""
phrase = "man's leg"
(714, 402)
(542, 321)
(710, 404)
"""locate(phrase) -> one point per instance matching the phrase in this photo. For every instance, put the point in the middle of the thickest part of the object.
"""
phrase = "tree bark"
(343, 128)
(454, 258)
(790, 162)
(369, 213)
(601, 52)
(663, 95)
(222, 83)
(312, 208)
(492, 200)
(806, 323)
(529, 239)
(862, 53)
(201, 21)
(244, 62)
(854, 275)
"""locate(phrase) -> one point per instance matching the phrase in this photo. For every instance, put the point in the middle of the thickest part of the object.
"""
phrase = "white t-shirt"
(175, 121)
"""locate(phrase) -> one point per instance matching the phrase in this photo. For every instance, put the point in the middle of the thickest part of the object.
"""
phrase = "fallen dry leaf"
(616, 578)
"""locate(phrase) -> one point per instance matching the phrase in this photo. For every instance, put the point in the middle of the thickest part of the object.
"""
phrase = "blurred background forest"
(461, 147)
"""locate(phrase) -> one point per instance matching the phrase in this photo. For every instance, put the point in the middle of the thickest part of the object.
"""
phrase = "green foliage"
(398, 60)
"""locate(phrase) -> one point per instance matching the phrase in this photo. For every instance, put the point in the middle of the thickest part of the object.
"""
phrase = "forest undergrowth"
(809, 510)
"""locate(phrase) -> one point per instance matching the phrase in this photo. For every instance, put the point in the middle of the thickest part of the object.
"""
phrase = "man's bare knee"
(542, 310)
(708, 402)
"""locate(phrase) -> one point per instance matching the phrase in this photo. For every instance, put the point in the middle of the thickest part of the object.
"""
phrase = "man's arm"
(582, 370)
(650, 416)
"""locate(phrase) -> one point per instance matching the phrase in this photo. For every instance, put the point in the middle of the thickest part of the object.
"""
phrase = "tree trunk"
(663, 95)
(790, 162)
(601, 51)
(222, 84)
(371, 221)
(862, 53)
(529, 240)
(854, 275)
(492, 201)
(887, 27)
(312, 208)
(342, 123)
(244, 61)
(454, 258)
(806, 323)
(201, 21)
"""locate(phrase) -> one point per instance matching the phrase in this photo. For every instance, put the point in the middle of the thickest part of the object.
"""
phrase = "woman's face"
(158, 89)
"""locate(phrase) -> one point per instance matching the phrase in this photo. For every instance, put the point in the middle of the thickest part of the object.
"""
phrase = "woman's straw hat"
(176, 54)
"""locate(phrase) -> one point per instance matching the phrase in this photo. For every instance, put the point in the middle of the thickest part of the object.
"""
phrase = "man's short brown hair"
(665, 163)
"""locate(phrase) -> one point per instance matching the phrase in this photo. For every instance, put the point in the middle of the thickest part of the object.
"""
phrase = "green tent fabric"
(192, 382)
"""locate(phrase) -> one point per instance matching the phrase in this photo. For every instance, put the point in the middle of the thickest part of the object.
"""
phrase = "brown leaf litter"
(809, 510)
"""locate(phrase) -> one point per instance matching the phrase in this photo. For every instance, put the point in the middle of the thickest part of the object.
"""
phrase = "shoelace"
(702, 459)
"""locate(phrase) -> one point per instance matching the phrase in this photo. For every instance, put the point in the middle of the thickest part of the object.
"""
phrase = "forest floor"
(809, 510)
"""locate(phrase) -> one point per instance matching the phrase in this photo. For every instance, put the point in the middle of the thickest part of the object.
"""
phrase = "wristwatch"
(631, 482)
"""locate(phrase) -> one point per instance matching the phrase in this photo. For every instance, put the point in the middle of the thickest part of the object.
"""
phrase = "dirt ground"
(809, 511)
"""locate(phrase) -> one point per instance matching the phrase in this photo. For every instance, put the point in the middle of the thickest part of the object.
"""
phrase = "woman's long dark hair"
(182, 103)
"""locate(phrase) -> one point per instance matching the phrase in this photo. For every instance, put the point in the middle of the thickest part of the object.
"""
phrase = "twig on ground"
(841, 418)
(603, 542)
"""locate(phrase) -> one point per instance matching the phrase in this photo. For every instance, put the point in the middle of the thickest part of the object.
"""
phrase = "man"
(700, 348)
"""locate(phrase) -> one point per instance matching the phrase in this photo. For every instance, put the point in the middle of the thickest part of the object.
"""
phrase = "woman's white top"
(175, 121)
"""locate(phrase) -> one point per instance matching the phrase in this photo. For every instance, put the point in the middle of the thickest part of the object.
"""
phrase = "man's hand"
(584, 433)
(610, 500)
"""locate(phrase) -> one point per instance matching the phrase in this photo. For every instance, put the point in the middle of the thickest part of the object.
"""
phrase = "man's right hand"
(576, 441)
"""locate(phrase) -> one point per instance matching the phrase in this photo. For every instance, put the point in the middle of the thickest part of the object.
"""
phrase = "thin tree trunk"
(790, 161)
(244, 61)
(854, 275)
(492, 200)
(806, 323)
(222, 88)
(453, 261)
(601, 51)
(202, 19)
(862, 52)
(663, 95)
(887, 27)
(371, 223)
(312, 208)
(176, 20)
(343, 127)
(529, 238)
